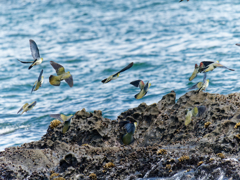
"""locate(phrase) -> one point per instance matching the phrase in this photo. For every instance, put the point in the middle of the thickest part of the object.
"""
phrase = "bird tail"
(25, 61)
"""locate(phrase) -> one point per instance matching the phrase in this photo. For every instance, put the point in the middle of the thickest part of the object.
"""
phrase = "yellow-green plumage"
(55, 80)
(61, 75)
(195, 112)
(188, 117)
(141, 94)
(27, 107)
(199, 85)
(127, 138)
(195, 72)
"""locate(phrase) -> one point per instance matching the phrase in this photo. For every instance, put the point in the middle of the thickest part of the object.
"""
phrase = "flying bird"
(61, 75)
(27, 107)
(199, 69)
(143, 88)
(35, 55)
(116, 75)
(201, 85)
(65, 119)
(212, 66)
(130, 127)
(38, 83)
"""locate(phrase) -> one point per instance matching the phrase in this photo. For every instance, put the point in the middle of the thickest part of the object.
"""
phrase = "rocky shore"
(208, 148)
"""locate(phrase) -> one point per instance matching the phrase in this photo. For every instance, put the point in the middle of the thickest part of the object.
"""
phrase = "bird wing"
(58, 116)
(69, 81)
(25, 105)
(201, 110)
(34, 49)
(221, 66)
(123, 123)
(146, 87)
(195, 86)
(124, 69)
(68, 118)
(137, 83)
(130, 127)
(58, 67)
(40, 76)
(54, 80)
(34, 86)
(194, 74)
(32, 104)
(65, 118)
(25, 61)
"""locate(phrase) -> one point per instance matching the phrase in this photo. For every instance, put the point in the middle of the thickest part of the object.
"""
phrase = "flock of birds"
(130, 126)
(63, 75)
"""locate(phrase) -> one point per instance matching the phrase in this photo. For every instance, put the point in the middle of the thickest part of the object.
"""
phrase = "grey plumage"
(34, 49)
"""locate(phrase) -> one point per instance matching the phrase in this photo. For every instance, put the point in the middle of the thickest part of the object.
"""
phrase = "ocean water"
(94, 39)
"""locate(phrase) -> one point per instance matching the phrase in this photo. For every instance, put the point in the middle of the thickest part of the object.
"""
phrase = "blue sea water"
(94, 39)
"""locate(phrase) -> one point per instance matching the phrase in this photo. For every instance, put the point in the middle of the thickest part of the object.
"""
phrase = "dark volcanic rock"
(163, 145)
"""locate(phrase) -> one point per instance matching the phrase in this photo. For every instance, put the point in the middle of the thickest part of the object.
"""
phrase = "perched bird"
(212, 66)
(201, 85)
(65, 119)
(27, 107)
(130, 127)
(35, 54)
(38, 83)
(144, 88)
(61, 75)
(116, 75)
(194, 112)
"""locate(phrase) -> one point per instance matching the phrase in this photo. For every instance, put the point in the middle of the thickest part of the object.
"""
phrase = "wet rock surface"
(208, 148)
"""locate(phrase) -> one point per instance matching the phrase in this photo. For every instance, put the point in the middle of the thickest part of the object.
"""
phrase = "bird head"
(196, 66)
(201, 65)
